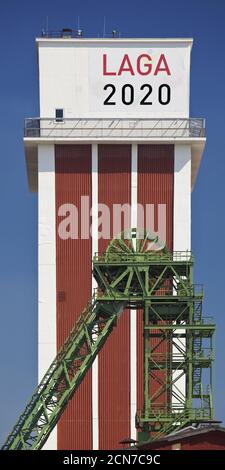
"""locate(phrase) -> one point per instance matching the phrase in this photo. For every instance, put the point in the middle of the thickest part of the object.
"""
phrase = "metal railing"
(114, 128)
(66, 33)
(62, 33)
(176, 412)
(204, 354)
(145, 257)
(208, 320)
(163, 357)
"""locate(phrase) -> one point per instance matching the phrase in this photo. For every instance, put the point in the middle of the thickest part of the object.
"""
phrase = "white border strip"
(46, 267)
(182, 198)
(133, 313)
(188, 41)
(95, 411)
(181, 229)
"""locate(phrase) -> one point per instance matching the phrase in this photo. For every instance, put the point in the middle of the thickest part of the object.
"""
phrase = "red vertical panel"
(114, 360)
(73, 279)
(155, 186)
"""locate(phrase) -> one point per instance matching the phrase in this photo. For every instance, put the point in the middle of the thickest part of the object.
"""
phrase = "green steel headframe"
(136, 272)
(177, 340)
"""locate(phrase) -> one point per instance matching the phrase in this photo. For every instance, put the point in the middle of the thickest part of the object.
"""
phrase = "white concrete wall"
(182, 198)
(71, 77)
(46, 267)
(182, 234)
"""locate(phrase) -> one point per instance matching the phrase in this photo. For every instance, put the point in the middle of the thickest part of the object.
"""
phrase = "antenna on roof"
(79, 31)
(104, 23)
(46, 23)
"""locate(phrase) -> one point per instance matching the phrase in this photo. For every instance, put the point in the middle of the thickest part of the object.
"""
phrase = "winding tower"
(115, 133)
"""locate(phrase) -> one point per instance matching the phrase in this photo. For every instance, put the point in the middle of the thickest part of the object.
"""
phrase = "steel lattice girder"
(163, 287)
(161, 284)
(64, 376)
(144, 276)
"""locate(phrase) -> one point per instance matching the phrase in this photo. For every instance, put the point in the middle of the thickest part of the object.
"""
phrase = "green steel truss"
(64, 376)
(136, 273)
(177, 339)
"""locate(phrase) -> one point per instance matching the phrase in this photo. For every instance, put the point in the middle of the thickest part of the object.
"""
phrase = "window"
(59, 115)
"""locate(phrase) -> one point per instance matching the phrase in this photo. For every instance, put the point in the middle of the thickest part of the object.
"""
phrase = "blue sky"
(20, 23)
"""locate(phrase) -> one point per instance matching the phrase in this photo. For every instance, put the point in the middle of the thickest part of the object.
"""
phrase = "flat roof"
(80, 40)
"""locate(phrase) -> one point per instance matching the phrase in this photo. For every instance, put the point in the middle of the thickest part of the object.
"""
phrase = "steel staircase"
(197, 348)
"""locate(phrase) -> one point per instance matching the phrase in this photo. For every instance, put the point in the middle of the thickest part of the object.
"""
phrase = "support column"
(95, 413)
(182, 224)
(46, 267)
(133, 313)
(182, 198)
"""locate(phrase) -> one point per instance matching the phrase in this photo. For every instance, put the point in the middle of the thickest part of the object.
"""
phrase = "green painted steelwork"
(64, 376)
(136, 272)
(177, 339)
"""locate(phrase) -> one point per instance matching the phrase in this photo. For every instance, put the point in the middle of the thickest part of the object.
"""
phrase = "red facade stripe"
(155, 186)
(114, 360)
(73, 282)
